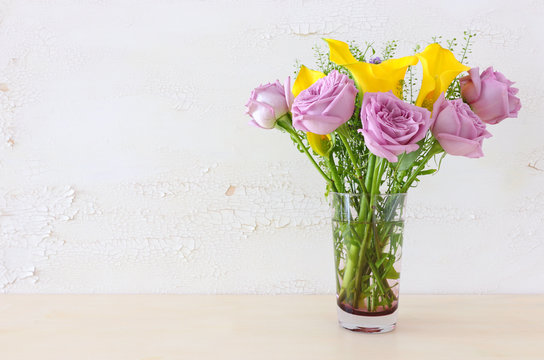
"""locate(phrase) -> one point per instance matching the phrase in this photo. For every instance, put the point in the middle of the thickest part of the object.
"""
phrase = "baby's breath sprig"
(467, 47)
(454, 90)
(389, 49)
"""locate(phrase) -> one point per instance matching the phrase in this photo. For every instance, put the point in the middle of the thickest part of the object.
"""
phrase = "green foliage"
(323, 62)
(454, 90)
(406, 161)
(389, 49)
(467, 47)
(409, 90)
(361, 53)
(297, 68)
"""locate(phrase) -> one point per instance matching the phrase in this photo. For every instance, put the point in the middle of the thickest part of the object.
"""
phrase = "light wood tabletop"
(161, 327)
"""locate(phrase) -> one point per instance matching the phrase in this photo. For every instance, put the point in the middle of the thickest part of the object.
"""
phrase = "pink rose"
(458, 130)
(490, 95)
(391, 126)
(268, 103)
(325, 105)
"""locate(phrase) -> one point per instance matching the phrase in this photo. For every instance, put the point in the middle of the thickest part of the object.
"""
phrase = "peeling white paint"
(27, 221)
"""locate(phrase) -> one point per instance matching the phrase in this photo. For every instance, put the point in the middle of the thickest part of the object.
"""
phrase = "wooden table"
(160, 327)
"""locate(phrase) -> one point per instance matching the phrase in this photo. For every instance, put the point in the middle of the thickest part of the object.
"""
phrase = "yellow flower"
(321, 144)
(305, 79)
(439, 70)
(388, 75)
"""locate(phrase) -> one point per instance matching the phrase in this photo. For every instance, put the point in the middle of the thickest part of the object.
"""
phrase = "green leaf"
(369, 290)
(395, 239)
(380, 262)
(428, 172)
(350, 237)
(390, 258)
(441, 158)
(407, 160)
(392, 273)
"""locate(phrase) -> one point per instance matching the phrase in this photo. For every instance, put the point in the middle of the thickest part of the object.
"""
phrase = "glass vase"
(367, 232)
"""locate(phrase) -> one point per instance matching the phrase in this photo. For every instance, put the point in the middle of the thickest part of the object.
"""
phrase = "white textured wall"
(126, 164)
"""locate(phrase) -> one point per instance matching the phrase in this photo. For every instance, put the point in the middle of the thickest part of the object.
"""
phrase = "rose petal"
(455, 145)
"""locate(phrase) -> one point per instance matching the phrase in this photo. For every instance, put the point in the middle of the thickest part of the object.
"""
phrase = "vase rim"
(360, 194)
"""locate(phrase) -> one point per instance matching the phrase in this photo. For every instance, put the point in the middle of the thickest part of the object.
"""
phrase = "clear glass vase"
(367, 232)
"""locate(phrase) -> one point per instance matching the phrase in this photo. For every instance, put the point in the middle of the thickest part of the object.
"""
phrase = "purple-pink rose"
(391, 126)
(325, 105)
(490, 95)
(268, 103)
(457, 128)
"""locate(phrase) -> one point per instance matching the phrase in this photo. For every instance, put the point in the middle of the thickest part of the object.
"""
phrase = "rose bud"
(490, 95)
(268, 103)
(457, 128)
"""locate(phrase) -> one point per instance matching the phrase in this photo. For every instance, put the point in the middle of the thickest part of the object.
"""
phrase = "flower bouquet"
(371, 134)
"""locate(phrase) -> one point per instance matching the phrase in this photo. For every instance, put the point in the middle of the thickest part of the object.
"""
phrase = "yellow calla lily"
(321, 144)
(440, 68)
(305, 79)
(385, 76)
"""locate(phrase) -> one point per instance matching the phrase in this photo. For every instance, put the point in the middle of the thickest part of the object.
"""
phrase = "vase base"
(367, 324)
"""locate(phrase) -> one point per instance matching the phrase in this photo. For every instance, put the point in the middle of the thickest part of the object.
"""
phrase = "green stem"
(286, 125)
(378, 279)
(435, 149)
(373, 246)
(334, 173)
(394, 187)
(364, 254)
(465, 49)
(340, 132)
(370, 172)
(372, 181)
(354, 252)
